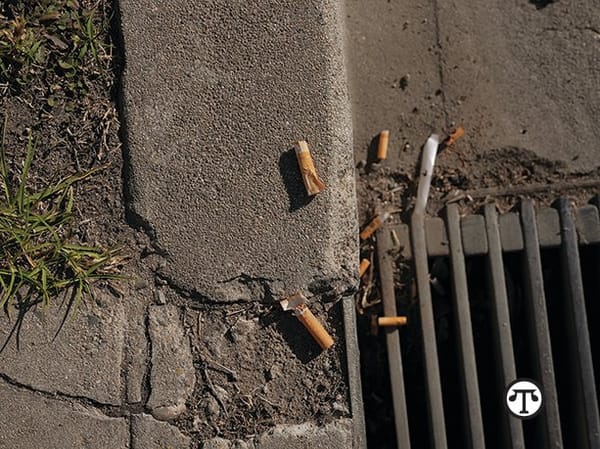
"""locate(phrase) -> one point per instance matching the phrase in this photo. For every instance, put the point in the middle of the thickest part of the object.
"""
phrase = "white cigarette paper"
(427, 163)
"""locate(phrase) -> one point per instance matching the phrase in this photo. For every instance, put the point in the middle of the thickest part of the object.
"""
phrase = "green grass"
(39, 257)
(61, 37)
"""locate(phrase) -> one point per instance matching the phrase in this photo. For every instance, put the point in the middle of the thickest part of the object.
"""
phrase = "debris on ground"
(298, 303)
(364, 265)
(374, 225)
(391, 321)
(427, 163)
(453, 136)
(385, 321)
(382, 148)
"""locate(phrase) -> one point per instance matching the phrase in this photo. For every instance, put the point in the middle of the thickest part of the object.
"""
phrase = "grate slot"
(464, 333)
(512, 435)
(432, 370)
(587, 222)
(590, 264)
(550, 431)
(392, 336)
(474, 240)
(584, 423)
(510, 232)
(523, 285)
(548, 225)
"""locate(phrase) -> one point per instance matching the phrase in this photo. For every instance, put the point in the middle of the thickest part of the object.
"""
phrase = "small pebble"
(212, 408)
(160, 281)
(340, 408)
(404, 81)
(140, 284)
(197, 424)
(239, 444)
(221, 393)
(361, 164)
(159, 297)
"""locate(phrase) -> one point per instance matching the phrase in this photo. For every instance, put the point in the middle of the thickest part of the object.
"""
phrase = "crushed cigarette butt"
(382, 148)
(374, 225)
(307, 168)
(297, 303)
(454, 136)
(364, 265)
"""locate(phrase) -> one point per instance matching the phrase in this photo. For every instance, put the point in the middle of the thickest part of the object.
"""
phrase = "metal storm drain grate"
(500, 297)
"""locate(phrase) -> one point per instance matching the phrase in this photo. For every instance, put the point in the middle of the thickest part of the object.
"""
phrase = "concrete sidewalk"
(215, 94)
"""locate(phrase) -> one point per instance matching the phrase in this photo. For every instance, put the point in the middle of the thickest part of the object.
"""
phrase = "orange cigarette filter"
(297, 303)
(382, 148)
(364, 265)
(314, 326)
(312, 183)
(391, 321)
(454, 136)
(374, 225)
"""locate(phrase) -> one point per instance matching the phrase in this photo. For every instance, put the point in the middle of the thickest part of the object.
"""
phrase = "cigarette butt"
(362, 269)
(454, 136)
(307, 168)
(314, 326)
(382, 149)
(374, 225)
(391, 321)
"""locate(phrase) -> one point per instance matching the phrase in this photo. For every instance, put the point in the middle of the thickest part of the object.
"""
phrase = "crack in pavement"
(440, 57)
(146, 380)
(111, 411)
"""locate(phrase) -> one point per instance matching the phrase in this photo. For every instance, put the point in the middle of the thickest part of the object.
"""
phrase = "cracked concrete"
(215, 183)
(31, 420)
(148, 433)
(215, 95)
(84, 360)
(172, 376)
(136, 349)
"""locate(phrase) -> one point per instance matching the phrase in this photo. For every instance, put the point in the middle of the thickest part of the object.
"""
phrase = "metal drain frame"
(493, 235)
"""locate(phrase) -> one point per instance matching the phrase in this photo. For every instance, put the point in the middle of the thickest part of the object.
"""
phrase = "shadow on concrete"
(304, 347)
(372, 153)
(539, 4)
(292, 180)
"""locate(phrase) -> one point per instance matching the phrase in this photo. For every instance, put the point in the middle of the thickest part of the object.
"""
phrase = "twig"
(262, 398)
(213, 390)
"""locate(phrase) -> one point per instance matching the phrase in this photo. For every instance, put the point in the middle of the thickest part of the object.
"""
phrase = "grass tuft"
(59, 37)
(39, 257)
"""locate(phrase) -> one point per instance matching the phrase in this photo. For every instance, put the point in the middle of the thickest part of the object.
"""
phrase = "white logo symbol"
(524, 398)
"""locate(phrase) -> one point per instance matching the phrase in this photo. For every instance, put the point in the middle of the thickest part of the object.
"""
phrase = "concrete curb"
(214, 96)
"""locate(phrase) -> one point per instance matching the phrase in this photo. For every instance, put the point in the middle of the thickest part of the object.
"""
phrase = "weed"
(59, 37)
(39, 258)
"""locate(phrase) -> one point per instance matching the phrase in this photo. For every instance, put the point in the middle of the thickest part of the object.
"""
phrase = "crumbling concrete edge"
(341, 110)
(353, 367)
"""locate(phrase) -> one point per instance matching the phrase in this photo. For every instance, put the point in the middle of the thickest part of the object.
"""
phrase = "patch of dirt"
(460, 175)
(78, 133)
(258, 368)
